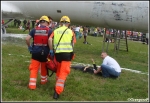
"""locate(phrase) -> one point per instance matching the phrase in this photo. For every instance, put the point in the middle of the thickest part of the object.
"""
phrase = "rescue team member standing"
(63, 52)
(39, 50)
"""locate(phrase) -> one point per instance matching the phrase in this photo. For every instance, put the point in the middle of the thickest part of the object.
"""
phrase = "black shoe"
(56, 95)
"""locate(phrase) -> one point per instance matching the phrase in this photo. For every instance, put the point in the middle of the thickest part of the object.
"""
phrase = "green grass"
(79, 86)
(12, 30)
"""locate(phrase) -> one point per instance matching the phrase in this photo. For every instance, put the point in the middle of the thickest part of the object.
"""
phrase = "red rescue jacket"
(41, 36)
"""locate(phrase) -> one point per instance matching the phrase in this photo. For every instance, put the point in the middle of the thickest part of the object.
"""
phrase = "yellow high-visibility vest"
(81, 30)
(65, 44)
(139, 33)
(95, 30)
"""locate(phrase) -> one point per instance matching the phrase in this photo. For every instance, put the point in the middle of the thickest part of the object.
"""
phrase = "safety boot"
(56, 95)
(31, 87)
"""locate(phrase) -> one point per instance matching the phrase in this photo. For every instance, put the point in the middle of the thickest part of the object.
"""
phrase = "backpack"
(51, 65)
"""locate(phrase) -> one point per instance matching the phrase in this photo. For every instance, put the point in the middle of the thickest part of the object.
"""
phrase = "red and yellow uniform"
(40, 50)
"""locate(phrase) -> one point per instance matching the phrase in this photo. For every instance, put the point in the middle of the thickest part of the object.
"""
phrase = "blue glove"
(51, 52)
(30, 49)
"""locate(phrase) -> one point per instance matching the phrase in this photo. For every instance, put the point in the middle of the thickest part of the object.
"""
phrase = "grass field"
(80, 86)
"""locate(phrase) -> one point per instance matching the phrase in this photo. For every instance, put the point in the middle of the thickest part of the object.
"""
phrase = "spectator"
(81, 31)
(88, 30)
(37, 23)
(51, 25)
(15, 22)
(33, 23)
(20, 27)
(2, 21)
(95, 32)
(77, 29)
(85, 33)
(19, 22)
(24, 23)
(27, 26)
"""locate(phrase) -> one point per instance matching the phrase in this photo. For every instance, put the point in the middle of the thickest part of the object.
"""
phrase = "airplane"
(121, 15)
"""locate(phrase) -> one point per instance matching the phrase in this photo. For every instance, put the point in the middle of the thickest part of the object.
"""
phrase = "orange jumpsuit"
(63, 67)
(40, 52)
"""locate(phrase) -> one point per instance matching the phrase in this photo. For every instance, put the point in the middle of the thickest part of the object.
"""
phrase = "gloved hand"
(51, 52)
(30, 49)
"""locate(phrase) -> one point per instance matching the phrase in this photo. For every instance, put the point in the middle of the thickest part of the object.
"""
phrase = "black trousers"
(39, 57)
(64, 56)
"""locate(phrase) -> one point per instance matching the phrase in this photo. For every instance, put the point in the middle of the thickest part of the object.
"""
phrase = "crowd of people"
(84, 31)
(29, 24)
(79, 30)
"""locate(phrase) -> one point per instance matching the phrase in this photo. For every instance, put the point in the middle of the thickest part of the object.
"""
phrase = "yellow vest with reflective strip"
(81, 30)
(65, 44)
(139, 33)
(95, 30)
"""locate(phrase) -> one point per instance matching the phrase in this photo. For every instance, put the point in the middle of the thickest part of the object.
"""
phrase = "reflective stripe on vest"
(41, 36)
(65, 44)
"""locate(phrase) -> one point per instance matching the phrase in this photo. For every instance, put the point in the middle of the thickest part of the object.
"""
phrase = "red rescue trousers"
(34, 67)
(63, 70)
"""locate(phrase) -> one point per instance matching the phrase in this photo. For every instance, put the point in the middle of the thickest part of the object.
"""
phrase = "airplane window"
(58, 11)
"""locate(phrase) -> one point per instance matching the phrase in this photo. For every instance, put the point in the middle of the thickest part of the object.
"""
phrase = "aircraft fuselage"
(124, 15)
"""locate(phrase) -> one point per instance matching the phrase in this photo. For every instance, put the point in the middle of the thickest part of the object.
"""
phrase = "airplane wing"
(123, 15)
(10, 11)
